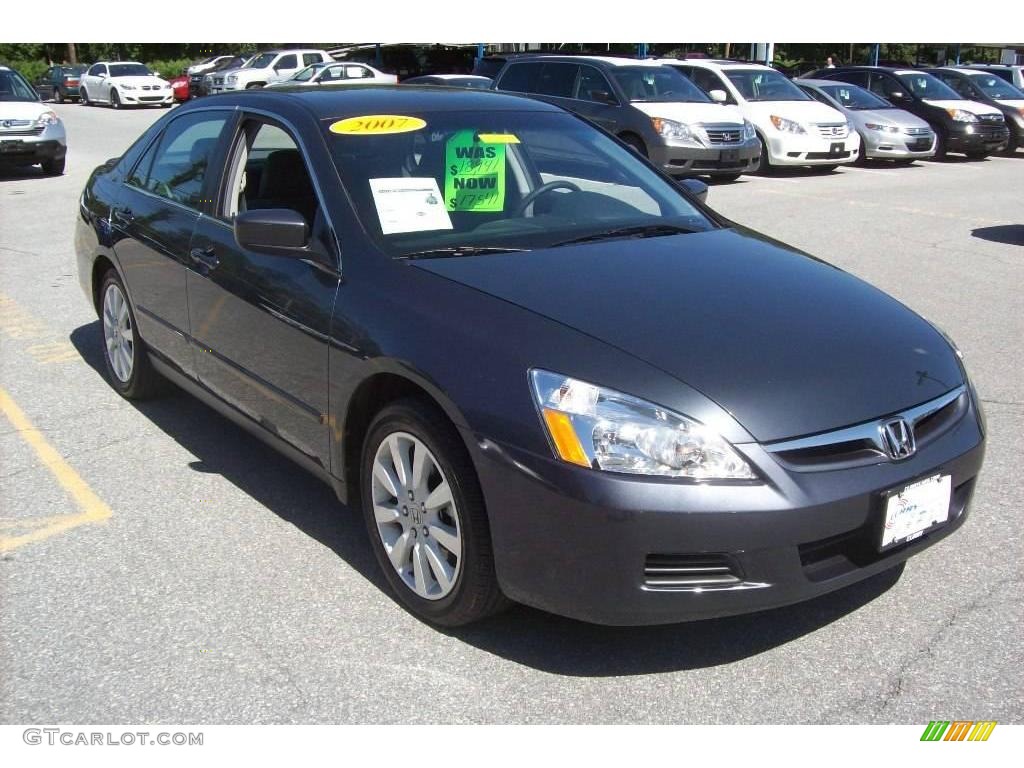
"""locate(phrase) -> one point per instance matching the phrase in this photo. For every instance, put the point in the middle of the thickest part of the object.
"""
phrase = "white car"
(794, 128)
(31, 133)
(323, 73)
(123, 83)
(271, 67)
(206, 65)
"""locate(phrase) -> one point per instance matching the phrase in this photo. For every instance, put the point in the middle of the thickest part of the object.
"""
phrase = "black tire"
(727, 177)
(54, 166)
(904, 161)
(765, 168)
(940, 147)
(979, 154)
(58, 96)
(862, 158)
(636, 143)
(144, 382)
(83, 97)
(115, 99)
(253, 85)
(824, 168)
(1011, 145)
(475, 594)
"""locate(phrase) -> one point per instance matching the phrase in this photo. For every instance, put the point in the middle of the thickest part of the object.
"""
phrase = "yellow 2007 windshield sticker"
(377, 124)
(474, 174)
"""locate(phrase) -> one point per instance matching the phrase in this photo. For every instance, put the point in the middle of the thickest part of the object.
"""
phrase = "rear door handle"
(205, 257)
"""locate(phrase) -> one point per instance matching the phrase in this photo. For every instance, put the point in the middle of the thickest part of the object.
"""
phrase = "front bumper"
(974, 137)
(49, 144)
(146, 98)
(810, 149)
(577, 542)
(897, 146)
(721, 159)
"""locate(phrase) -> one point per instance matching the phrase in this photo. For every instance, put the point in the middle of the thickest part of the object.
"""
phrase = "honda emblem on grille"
(7, 123)
(898, 437)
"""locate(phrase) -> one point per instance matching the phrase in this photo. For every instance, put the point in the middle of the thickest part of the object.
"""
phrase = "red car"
(180, 86)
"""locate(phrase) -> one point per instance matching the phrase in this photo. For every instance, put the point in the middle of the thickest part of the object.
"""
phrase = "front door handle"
(205, 257)
(122, 215)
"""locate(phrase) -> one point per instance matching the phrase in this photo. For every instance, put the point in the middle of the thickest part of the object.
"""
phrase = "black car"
(988, 88)
(60, 82)
(197, 80)
(967, 127)
(544, 371)
(451, 81)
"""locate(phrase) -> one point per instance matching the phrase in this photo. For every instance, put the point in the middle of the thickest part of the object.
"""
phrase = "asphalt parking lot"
(163, 566)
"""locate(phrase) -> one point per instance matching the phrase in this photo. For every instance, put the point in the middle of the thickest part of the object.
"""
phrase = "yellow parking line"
(93, 509)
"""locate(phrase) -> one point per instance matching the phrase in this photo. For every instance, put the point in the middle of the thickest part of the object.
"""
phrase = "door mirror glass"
(718, 95)
(278, 231)
(897, 96)
(695, 187)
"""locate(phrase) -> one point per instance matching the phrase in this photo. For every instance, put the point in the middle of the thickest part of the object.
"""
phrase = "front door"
(261, 321)
(157, 210)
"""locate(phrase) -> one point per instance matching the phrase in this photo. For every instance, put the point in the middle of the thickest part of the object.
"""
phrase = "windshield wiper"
(459, 250)
(645, 230)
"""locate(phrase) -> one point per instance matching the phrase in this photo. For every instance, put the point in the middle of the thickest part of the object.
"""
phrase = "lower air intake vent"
(690, 571)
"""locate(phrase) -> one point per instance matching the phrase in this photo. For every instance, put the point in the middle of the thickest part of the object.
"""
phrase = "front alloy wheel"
(417, 519)
(118, 333)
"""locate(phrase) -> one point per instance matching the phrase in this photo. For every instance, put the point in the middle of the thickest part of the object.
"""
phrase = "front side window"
(923, 85)
(960, 86)
(129, 70)
(262, 61)
(706, 80)
(656, 84)
(287, 62)
(520, 77)
(593, 86)
(497, 180)
(764, 85)
(304, 75)
(97, 70)
(175, 167)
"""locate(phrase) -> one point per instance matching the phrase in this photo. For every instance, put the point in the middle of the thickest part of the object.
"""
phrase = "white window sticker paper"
(409, 205)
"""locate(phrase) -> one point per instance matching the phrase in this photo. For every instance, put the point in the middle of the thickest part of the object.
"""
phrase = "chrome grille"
(918, 131)
(690, 571)
(723, 134)
(8, 124)
(865, 443)
(833, 130)
(989, 118)
(36, 131)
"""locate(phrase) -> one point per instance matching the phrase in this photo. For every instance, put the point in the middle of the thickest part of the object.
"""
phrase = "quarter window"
(175, 167)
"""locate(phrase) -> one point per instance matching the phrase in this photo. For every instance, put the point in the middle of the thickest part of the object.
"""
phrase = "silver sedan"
(886, 132)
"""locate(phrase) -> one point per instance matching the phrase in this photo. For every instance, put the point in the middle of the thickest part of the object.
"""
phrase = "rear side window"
(311, 58)
(175, 166)
(520, 77)
(557, 80)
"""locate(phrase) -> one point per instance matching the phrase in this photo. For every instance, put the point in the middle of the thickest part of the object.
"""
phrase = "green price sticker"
(474, 174)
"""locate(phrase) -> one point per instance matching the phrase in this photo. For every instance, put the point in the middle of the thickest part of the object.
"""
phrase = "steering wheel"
(543, 189)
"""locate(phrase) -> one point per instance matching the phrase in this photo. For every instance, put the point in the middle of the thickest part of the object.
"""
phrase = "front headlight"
(607, 430)
(126, 87)
(788, 126)
(49, 117)
(233, 79)
(748, 131)
(962, 116)
(882, 128)
(675, 131)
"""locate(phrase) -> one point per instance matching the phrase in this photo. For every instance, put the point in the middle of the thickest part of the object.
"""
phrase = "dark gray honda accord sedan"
(545, 372)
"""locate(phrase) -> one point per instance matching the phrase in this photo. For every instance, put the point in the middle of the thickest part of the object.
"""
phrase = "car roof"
(329, 101)
(112, 63)
(612, 61)
(819, 83)
(725, 65)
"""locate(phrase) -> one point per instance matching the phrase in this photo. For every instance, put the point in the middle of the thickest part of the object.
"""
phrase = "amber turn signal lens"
(564, 437)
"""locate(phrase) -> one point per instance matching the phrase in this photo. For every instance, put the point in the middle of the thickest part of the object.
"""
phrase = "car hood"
(789, 345)
(969, 106)
(1016, 103)
(21, 110)
(760, 112)
(898, 117)
(690, 112)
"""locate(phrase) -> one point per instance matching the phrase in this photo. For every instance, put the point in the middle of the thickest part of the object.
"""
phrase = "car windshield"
(262, 61)
(854, 97)
(995, 87)
(307, 74)
(13, 87)
(129, 70)
(926, 86)
(764, 85)
(73, 70)
(463, 183)
(656, 84)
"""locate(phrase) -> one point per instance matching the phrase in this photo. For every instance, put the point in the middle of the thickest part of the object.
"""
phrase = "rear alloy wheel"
(115, 99)
(127, 362)
(425, 515)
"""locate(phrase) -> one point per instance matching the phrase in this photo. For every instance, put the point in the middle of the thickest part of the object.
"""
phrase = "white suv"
(794, 128)
(271, 67)
(30, 132)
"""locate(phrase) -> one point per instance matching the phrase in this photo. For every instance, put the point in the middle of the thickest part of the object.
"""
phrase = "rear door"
(163, 197)
(262, 321)
(44, 84)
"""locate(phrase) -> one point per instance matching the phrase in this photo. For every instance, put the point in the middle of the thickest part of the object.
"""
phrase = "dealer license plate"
(915, 509)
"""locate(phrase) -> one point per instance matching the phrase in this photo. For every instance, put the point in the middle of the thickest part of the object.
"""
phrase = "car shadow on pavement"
(1007, 234)
(523, 635)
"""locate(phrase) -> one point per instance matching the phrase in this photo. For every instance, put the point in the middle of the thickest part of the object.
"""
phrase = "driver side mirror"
(718, 95)
(898, 96)
(276, 231)
(695, 187)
